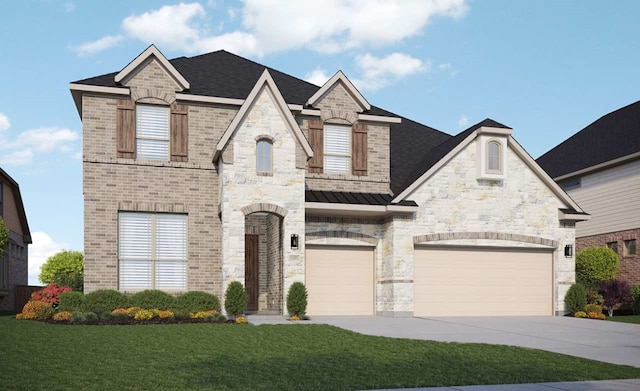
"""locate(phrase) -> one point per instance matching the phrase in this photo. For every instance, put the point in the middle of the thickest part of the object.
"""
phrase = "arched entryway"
(263, 258)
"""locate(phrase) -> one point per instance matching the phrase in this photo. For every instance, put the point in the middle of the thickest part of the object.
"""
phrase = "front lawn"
(625, 318)
(37, 356)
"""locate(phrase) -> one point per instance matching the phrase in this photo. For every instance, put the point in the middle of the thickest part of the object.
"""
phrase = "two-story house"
(209, 169)
(14, 268)
(599, 167)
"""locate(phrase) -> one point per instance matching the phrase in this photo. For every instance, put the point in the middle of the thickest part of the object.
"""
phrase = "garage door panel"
(482, 282)
(340, 280)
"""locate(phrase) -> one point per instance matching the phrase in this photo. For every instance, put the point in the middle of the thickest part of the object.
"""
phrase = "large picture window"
(152, 132)
(337, 149)
(152, 251)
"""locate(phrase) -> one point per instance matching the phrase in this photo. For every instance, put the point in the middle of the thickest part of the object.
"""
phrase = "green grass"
(37, 356)
(625, 318)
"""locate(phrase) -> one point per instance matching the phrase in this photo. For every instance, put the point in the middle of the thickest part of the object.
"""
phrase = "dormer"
(492, 151)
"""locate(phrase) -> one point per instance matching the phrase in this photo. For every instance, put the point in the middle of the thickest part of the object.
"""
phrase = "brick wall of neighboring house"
(17, 269)
(629, 264)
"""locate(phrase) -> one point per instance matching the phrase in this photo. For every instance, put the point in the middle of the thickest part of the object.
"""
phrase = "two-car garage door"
(482, 282)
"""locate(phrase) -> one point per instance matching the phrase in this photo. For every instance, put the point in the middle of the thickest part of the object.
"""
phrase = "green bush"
(195, 301)
(105, 300)
(576, 298)
(297, 299)
(593, 308)
(64, 268)
(153, 299)
(72, 301)
(235, 299)
(595, 264)
(635, 296)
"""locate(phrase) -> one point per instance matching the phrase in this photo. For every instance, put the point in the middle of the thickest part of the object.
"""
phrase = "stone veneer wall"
(629, 264)
(242, 187)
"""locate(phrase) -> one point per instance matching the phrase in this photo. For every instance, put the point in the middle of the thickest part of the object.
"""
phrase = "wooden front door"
(251, 271)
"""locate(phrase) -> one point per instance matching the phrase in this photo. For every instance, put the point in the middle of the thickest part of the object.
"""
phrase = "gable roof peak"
(339, 77)
(149, 52)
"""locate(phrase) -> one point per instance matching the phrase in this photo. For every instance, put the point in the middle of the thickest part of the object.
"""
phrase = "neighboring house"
(599, 167)
(14, 269)
(204, 170)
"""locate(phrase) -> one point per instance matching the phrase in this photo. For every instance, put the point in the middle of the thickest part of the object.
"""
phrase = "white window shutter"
(152, 132)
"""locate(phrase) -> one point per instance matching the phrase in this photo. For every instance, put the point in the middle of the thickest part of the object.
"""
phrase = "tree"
(595, 264)
(64, 268)
(4, 237)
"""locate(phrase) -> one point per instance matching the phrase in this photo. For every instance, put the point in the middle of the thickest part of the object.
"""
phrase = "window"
(337, 149)
(152, 132)
(629, 247)
(264, 149)
(4, 272)
(613, 246)
(152, 251)
(494, 159)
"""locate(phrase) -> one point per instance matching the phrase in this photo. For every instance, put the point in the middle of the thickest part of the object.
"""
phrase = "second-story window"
(494, 158)
(337, 149)
(152, 132)
(264, 152)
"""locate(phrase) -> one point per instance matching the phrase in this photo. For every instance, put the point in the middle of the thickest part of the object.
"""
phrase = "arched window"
(264, 151)
(494, 157)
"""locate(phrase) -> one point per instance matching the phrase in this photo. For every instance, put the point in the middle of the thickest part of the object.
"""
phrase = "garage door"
(340, 280)
(482, 282)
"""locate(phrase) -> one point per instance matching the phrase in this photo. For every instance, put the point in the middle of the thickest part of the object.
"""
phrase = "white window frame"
(485, 171)
(337, 149)
(152, 132)
(264, 164)
(494, 156)
(152, 255)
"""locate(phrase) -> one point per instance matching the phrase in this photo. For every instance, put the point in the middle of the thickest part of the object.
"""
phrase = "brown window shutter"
(359, 153)
(126, 128)
(316, 139)
(179, 133)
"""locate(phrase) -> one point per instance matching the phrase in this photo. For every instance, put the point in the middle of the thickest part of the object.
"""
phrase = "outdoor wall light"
(294, 241)
(568, 250)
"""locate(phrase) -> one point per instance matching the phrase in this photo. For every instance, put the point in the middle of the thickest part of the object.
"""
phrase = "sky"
(545, 68)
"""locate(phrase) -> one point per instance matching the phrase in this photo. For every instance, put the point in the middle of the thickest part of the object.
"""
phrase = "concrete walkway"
(612, 342)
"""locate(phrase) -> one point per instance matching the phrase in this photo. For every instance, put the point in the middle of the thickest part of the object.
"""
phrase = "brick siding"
(629, 265)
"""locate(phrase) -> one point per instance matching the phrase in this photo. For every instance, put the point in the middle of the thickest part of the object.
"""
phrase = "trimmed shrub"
(195, 301)
(615, 293)
(62, 316)
(72, 301)
(297, 299)
(635, 297)
(589, 308)
(64, 268)
(144, 314)
(575, 299)
(84, 317)
(235, 299)
(595, 264)
(37, 310)
(580, 314)
(153, 298)
(593, 296)
(105, 300)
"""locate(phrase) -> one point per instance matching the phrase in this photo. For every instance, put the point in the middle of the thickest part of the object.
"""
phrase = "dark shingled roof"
(614, 135)
(414, 147)
(339, 197)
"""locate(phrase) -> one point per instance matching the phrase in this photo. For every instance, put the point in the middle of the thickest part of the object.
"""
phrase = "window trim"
(264, 140)
(154, 260)
(328, 153)
(166, 140)
(629, 248)
(498, 146)
(483, 144)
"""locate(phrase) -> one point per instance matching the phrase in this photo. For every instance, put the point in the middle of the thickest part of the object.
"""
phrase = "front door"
(251, 271)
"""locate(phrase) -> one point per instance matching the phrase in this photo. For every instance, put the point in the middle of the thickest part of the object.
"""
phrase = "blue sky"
(546, 68)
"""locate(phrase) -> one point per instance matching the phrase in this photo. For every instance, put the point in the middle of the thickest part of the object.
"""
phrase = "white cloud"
(317, 77)
(378, 72)
(20, 150)
(69, 7)
(463, 122)
(448, 68)
(17, 158)
(4, 122)
(328, 26)
(43, 247)
(104, 43)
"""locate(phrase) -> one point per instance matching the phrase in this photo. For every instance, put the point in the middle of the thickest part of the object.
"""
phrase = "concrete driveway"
(612, 342)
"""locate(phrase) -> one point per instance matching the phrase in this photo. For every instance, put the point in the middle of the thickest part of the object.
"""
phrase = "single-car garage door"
(340, 280)
(482, 282)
